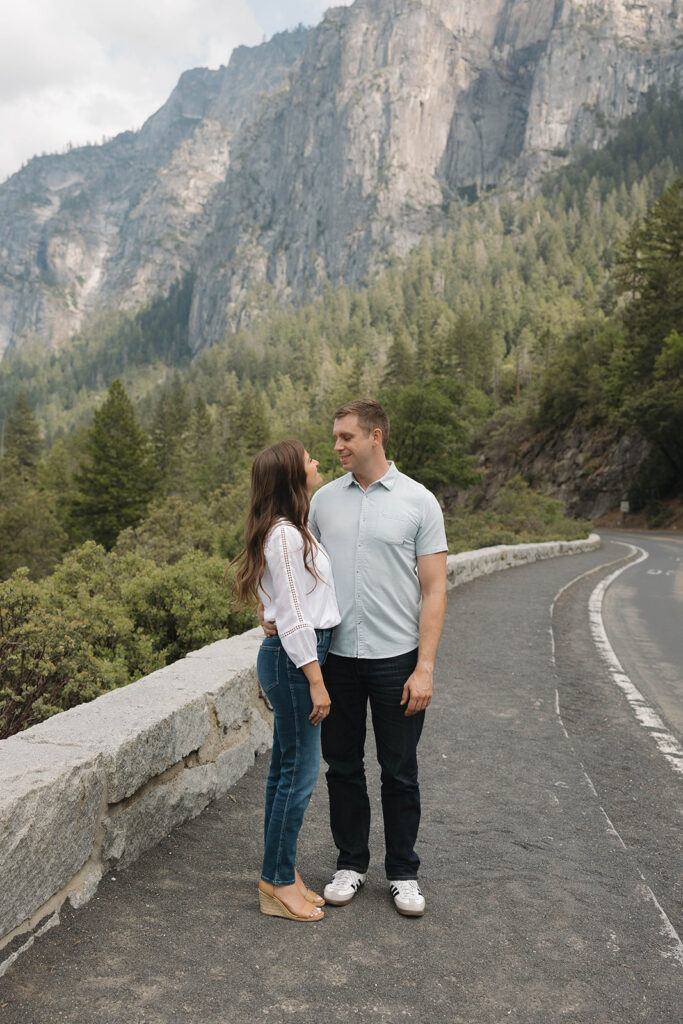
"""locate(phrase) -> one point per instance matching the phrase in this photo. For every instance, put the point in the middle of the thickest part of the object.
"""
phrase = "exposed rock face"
(318, 154)
(590, 470)
(119, 223)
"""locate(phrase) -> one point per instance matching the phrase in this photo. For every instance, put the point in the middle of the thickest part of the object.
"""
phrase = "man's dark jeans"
(351, 682)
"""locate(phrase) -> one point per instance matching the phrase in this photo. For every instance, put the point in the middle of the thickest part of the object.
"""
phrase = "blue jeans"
(295, 760)
(351, 682)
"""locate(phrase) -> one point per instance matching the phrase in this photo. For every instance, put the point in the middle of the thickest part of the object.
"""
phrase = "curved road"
(643, 618)
(550, 899)
(629, 742)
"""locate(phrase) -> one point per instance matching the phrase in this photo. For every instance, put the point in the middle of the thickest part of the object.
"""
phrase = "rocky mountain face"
(319, 154)
(121, 222)
(590, 470)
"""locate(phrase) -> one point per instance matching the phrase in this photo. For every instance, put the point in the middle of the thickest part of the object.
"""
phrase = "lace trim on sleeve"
(295, 629)
(302, 624)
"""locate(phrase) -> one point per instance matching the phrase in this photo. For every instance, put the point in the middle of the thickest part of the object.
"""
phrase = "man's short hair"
(370, 415)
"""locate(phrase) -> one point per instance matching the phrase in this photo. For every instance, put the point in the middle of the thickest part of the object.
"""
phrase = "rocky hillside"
(589, 468)
(119, 223)
(319, 154)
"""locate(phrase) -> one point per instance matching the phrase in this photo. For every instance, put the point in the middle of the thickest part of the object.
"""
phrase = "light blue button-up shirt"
(374, 538)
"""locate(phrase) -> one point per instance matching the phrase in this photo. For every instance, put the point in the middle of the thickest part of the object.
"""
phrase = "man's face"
(352, 444)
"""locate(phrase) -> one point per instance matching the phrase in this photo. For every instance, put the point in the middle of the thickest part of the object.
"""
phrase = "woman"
(283, 566)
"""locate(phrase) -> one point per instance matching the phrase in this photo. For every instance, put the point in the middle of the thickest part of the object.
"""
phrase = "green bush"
(186, 606)
(66, 640)
(102, 621)
(517, 515)
(171, 529)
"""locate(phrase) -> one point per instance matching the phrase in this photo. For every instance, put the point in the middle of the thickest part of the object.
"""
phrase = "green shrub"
(66, 640)
(171, 529)
(517, 515)
(101, 621)
(186, 606)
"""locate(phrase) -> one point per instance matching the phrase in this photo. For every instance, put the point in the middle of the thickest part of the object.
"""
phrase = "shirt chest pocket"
(391, 529)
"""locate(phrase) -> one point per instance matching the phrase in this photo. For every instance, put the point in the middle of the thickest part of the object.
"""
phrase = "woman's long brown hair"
(278, 491)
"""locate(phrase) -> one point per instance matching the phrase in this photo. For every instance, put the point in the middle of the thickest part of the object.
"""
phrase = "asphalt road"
(643, 616)
(638, 786)
(548, 863)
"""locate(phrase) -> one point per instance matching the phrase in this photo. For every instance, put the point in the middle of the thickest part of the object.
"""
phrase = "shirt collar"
(387, 481)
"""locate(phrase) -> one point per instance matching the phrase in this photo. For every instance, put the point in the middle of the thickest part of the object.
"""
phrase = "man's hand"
(418, 690)
(269, 628)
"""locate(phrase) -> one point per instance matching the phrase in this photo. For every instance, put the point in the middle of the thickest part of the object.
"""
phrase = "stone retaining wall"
(92, 788)
(469, 564)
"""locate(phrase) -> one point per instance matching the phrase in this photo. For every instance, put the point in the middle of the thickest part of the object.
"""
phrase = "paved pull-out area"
(536, 911)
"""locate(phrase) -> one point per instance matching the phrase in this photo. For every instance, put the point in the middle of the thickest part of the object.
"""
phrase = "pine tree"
(23, 443)
(399, 367)
(651, 269)
(251, 423)
(429, 439)
(116, 481)
(30, 534)
(171, 418)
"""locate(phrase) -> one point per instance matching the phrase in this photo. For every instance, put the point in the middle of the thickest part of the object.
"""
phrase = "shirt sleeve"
(292, 582)
(431, 534)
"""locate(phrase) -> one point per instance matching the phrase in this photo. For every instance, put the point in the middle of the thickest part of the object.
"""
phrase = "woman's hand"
(319, 695)
(321, 702)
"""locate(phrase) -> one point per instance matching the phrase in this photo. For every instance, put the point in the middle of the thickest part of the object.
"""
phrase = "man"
(385, 537)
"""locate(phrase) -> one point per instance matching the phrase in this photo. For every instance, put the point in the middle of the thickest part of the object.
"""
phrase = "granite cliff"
(320, 153)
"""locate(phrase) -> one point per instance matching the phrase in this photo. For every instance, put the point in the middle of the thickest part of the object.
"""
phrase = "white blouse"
(293, 599)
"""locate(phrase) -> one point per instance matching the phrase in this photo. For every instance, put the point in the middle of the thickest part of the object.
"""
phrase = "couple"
(353, 578)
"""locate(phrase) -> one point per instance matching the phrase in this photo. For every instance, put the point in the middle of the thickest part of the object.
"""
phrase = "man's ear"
(376, 436)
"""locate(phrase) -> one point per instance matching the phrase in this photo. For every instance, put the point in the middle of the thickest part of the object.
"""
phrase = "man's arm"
(419, 687)
(269, 628)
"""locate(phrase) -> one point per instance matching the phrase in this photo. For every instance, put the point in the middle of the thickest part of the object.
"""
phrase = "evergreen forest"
(124, 467)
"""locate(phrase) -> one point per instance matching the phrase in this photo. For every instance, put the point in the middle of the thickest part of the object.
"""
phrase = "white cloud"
(77, 70)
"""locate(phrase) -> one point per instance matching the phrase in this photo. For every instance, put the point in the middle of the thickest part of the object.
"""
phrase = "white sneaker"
(343, 887)
(408, 898)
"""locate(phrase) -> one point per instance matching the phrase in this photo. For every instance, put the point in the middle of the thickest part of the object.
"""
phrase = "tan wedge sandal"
(273, 907)
(312, 897)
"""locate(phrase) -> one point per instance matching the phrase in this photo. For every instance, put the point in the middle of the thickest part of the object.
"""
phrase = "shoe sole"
(338, 902)
(410, 913)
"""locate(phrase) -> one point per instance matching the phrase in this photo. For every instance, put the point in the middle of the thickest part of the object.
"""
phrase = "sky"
(78, 71)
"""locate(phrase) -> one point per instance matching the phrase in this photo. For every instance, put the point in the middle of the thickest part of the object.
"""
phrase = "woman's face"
(313, 477)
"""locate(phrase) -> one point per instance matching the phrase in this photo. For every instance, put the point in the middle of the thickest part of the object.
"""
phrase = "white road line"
(667, 744)
(558, 595)
(668, 931)
(675, 951)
